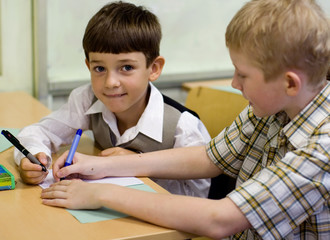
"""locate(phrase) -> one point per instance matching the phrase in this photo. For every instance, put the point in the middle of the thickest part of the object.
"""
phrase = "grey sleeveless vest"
(141, 143)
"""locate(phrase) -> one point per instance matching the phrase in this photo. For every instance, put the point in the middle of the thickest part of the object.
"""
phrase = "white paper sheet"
(122, 181)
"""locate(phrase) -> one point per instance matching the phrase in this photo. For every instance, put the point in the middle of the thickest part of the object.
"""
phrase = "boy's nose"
(112, 81)
(235, 84)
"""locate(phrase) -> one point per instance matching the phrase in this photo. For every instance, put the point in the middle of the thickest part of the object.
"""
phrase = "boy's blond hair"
(282, 34)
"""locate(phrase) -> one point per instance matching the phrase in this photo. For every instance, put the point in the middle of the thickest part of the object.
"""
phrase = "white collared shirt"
(60, 126)
(153, 112)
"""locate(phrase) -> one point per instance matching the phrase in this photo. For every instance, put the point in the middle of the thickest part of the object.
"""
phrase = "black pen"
(22, 149)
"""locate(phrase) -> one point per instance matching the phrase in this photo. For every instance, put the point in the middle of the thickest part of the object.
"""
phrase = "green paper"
(4, 143)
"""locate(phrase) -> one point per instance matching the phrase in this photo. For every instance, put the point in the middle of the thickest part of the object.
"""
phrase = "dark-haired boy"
(125, 112)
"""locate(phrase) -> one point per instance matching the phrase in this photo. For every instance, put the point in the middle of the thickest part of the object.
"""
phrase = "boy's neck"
(130, 118)
(124, 125)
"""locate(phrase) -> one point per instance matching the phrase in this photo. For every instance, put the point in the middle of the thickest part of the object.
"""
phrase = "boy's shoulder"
(83, 90)
(171, 102)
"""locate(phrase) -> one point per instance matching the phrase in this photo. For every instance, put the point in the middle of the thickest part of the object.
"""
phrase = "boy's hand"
(83, 166)
(74, 194)
(115, 151)
(32, 173)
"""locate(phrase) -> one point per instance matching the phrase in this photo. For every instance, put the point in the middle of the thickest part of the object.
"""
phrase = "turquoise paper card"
(4, 143)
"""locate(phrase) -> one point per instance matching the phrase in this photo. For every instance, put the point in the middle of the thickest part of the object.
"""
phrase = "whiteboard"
(193, 35)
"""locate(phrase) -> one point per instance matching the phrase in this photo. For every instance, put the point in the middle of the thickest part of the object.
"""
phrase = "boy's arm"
(178, 163)
(205, 217)
(58, 127)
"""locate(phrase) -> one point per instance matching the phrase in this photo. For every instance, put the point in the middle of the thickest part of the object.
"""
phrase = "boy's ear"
(293, 83)
(156, 68)
(87, 64)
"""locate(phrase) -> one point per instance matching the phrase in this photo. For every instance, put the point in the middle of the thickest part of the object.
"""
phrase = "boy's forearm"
(214, 218)
(183, 163)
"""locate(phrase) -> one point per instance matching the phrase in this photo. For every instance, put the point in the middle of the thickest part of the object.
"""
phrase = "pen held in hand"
(10, 137)
(73, 149)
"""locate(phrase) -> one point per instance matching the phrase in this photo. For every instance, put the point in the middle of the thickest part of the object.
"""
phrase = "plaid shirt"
(282, 171)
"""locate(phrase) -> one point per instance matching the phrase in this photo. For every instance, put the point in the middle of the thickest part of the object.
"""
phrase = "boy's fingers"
(55, 202)
(44, 159)
(33, 177)
(65, 171)
(59, 163)
(27, 165)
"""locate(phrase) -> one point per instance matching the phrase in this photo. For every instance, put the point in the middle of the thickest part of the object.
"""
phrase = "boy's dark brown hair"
(121, 27)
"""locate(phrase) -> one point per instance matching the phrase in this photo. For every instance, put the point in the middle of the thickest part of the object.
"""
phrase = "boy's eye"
(239, 75)
(99, 69)
(127, 68)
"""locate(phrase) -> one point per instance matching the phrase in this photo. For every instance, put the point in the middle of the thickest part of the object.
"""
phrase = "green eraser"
(7, 180)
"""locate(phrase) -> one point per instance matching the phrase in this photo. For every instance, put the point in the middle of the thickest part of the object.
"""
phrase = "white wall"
(16, 46)
(193, 37)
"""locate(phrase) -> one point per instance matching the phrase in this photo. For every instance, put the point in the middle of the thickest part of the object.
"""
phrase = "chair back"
(216, 108)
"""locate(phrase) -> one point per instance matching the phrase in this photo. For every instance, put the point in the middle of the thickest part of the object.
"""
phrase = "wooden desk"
(23, 216)
(210, 83)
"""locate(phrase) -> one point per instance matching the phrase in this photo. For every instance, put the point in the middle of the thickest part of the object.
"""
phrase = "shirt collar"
(299, 130)
(150, 122)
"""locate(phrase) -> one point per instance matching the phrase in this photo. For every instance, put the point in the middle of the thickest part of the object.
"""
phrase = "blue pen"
(73, 148)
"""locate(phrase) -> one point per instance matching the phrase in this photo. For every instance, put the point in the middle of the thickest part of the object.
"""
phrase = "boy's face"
(120, 81)
(266, 98)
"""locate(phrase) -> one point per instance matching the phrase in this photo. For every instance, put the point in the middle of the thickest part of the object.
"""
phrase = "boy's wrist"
(103, 196)
(101, 167)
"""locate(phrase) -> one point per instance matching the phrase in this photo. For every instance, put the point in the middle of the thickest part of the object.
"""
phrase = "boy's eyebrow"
(238, 69)
(95, 61)
(121, 60)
